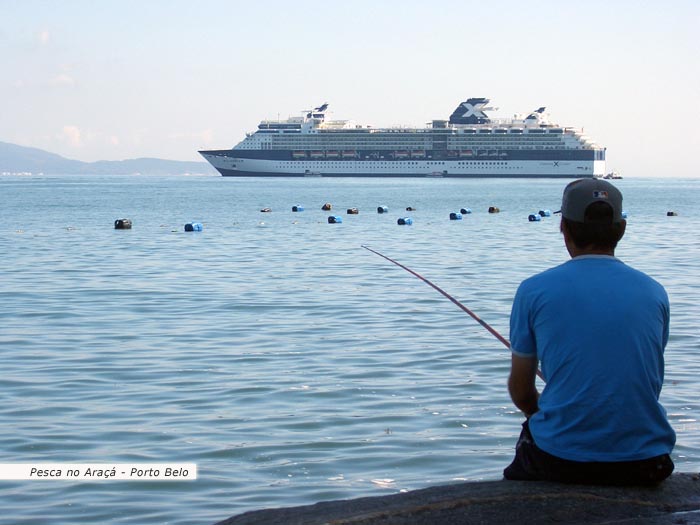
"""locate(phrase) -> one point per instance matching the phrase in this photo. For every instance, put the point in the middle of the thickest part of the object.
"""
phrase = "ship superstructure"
(469, 144)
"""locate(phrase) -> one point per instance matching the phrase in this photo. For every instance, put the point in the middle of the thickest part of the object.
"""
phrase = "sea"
(271, 350)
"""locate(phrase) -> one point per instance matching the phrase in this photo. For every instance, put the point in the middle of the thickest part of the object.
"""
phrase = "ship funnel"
(472, 111)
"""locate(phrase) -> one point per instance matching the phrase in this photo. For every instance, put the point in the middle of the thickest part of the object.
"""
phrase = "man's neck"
(574, 251)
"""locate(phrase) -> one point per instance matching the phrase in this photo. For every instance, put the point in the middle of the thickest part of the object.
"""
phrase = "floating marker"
(493, 209)
(534, 217)
(297, 208)
(335, 219)
(193, 227)
(327, 206)
(382, 209)
(545, 213)
(353, 211)
(671, 214)
(122, 224)
(465, 211)
(405, 221)
(455, 216)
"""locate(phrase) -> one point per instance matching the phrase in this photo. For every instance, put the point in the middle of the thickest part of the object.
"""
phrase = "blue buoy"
(455, 216)
(465, 211)
(122, 224)
(382, 209)
(193, 227)
(297, 208)
(534, 217)
(545, 213)
(334, 219)
(405, 221)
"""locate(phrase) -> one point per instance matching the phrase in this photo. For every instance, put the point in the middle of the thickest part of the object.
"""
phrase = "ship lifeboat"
(466, 153)
(349, 153)
(417, 153)
(298, 154)
(401, 154)
(332, 154)
(316, 154)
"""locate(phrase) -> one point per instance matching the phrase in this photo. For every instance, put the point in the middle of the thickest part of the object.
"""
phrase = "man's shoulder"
(553, 273)
(606, 267)
(643, 279)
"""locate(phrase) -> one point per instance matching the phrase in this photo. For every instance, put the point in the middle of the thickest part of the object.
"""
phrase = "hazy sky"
(92, 79)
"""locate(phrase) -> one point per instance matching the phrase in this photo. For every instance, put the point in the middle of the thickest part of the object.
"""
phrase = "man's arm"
(521, 384)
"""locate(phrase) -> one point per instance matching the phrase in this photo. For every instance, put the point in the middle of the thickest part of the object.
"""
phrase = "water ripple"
(270, 349)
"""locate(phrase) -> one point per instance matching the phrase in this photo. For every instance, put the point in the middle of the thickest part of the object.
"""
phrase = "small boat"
(612, 175)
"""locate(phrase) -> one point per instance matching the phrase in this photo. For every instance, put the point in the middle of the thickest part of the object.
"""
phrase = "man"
(599, 328)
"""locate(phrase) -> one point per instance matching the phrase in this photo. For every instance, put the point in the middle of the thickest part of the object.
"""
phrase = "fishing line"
(455, 301)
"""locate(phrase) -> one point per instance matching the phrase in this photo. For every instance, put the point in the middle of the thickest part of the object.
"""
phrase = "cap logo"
(600, 194)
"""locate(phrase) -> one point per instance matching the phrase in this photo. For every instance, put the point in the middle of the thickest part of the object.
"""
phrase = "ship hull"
(234, 166)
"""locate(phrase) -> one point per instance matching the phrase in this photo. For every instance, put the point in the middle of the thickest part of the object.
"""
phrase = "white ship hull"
(237, 167)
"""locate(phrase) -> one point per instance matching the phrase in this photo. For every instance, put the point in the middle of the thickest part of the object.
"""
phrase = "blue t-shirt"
(599, 329)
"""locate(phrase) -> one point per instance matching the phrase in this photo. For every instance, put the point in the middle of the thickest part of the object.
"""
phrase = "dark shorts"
(533, 463)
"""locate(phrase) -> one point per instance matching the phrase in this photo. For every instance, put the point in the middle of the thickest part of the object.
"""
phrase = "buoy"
(382, 209)
(122, 224)
(405, 221)
(334, 219)
(193, 227)
(297, 208)
(671, 214)
(455, 216)
(266, 210)
(545, 213)
(534, 217)
(327, 206)
(465, 211)
(353, 211)
(493, 209)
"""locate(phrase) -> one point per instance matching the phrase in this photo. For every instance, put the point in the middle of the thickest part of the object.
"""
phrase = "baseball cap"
(581, 193)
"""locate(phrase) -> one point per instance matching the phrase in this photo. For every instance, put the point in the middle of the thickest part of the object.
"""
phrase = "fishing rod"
(455, 301)
(443, 292)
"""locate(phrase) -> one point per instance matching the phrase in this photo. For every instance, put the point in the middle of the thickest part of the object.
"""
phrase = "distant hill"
(15, 159)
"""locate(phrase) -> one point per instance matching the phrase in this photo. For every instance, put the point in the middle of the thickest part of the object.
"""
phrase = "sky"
(118, 79)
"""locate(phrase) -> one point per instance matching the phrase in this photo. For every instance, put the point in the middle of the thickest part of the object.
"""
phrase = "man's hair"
(598, 231)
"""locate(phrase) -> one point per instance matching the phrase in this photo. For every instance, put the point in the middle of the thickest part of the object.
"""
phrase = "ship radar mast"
(537, 117)
(318, 112)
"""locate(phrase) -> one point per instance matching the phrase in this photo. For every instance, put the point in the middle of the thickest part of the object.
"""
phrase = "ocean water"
(291, 365)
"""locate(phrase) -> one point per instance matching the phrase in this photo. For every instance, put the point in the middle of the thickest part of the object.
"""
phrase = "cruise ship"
(468, 144)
